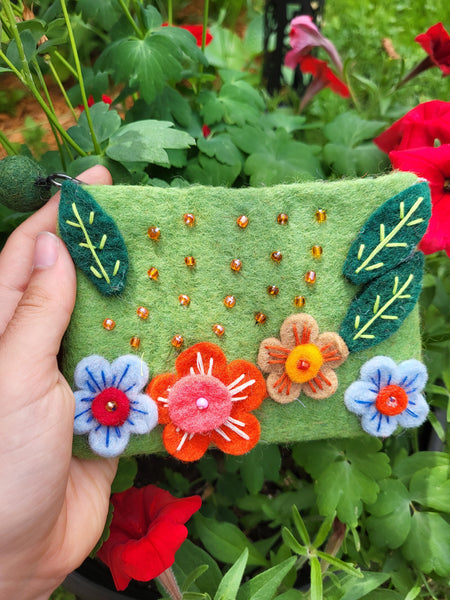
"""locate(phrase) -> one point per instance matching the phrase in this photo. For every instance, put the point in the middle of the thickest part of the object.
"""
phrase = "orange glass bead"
(260, 318)
(154, 233)
(273, 290)
(229, 301)
(184, 299)
(242, 221)
(177, 341)
(135, 342)
(321, 215)
(153, 273)
(190, 261)
(142, 312)
(317, 251)
(236, 264)
(310, 277)
(299, 301)
(219, 330)
(276, 256)
(111, 406)
(189, 219)
(109, 324)
(282, 219)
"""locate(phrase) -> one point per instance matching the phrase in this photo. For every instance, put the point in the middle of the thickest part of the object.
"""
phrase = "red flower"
(146, 531)
(421, 126)
(91, 101)
(208, 401)
(197, 32)
(433, 164)
(323, 77)
(303, 37)
(206, 131)
(436, 43)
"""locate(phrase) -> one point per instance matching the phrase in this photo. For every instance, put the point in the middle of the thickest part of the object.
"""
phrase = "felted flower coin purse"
(212, 317)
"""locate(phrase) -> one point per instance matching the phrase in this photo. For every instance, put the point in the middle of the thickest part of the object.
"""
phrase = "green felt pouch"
(250, 311)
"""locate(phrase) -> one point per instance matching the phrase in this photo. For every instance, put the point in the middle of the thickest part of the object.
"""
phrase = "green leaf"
(242, 103)
(185, 41)
(209, 171)
(225, 541)
(189, 556)
(294, 545)
(406, 468)
(431, 488)
(265, 585)
(93, 239)
(316, 579)
(252, 471)
(29, 48)
(324, 530)
(126, 473)
(221, 147)
(350, 129)
(147, 141)
(226, 49)
(34, 26)
(339, 564)
(151, 17)
(428, 543)
(390, 234)
(354, 589)
(105, 532)
(382, 306)
(105, 123)
(105, 12)
(229, 586)
(300, 526)
(192, 577)
(355, 162)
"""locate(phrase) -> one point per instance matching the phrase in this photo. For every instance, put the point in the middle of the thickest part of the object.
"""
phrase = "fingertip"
(97, 174)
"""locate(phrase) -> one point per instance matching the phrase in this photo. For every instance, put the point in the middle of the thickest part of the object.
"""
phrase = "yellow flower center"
(303, 363)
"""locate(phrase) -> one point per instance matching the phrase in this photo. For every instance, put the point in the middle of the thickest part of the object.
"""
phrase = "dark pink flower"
(323, 77)
(433, 164)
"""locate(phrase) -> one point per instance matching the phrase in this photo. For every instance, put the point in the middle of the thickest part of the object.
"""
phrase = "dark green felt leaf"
(382, 306)
(93, 239)
(389, 235)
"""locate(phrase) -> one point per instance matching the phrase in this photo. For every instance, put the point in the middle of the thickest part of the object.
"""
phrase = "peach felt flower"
(208, 401)
(301, 360)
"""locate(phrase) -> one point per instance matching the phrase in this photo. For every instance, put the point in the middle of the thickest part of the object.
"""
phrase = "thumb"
(32, 339)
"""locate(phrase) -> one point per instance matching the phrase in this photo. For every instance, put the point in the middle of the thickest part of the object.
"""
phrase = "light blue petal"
(83, 421)
(130, 375)
(93, 373)
(108, 441)
(412, 376)
(415, 413)
(143, 416)
(378, 424)
(360, 396)
(380, 371)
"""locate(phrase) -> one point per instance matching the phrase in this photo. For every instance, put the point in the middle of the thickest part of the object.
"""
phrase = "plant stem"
(56, 77)
(131, 20)
(97, 148)
(68, 66)
(15, 32)
(170, 12)
(7, 144)
(169, 583)
(205, 25)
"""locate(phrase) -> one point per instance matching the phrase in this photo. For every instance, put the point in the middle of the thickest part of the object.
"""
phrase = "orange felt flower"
(208, 401)
(301, 360)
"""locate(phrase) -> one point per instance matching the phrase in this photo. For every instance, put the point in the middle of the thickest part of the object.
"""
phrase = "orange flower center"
(391, 400)
(303, 363)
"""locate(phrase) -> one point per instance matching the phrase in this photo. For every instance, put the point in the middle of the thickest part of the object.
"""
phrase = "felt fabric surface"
(387, 395)
(18, 189)
(215, 240)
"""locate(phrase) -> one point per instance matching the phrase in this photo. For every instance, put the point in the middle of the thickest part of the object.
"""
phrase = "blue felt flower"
(387, 395)
(110, 404)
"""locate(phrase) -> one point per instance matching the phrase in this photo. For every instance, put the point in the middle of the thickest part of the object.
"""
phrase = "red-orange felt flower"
(436, 43)
(208, 401)
(146, 531)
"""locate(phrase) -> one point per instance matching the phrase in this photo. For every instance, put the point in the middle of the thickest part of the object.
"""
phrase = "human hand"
(52, 506)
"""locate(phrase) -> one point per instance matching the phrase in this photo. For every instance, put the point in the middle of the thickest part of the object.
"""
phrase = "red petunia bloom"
(146, 531)
(421, 126)
(208, 401)
(323, 77)
(197, 32)
(433, 164)
(303, 37)
(436, 43)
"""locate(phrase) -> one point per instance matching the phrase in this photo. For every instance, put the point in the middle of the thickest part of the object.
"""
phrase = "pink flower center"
(199, 403)
(111, 407)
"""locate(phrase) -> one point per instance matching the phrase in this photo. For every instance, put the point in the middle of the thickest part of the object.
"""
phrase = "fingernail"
(46, 250)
